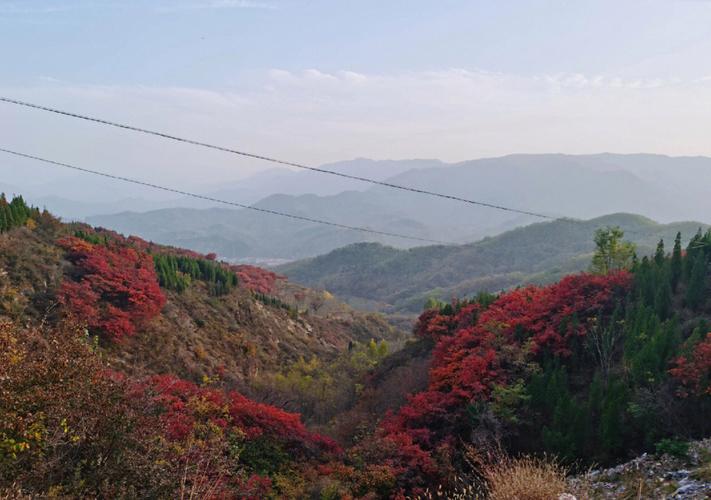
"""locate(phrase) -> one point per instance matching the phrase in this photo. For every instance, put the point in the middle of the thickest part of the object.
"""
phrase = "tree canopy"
(611, 251)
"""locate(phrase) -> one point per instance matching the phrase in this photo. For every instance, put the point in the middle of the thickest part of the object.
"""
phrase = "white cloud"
(578, 80)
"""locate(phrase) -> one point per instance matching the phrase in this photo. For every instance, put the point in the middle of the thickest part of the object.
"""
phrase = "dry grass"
(525, 478)
(13, 493)
(464, 491)
(505, 478)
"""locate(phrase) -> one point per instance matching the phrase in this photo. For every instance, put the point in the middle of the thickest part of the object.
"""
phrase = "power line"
(282, 162)
(266, 210)
(273, 160)
(224, 202)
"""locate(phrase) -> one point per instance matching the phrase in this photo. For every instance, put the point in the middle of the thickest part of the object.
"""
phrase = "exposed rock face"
(654, 476)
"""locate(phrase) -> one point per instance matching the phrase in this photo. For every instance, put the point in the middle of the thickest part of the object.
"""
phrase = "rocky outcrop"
(683, 477)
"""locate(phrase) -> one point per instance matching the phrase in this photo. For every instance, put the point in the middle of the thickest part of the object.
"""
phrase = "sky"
(322, 81)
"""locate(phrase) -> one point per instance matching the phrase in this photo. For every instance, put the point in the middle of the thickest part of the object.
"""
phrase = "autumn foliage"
(112, 288)
(694, 371)
(185, 404)
(590, 369)
(231, 443)
(64, 426)
(478, 350)
(70, 427)
(255, 278)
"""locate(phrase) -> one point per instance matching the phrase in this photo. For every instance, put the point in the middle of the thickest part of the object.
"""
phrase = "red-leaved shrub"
(255, 278)
(111, 288)
(478, 349)
(694, 371)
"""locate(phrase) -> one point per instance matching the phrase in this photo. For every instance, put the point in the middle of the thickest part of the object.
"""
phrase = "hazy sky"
(319, 81)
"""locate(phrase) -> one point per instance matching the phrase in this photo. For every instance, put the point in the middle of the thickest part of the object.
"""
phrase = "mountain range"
(382, 278)
(660, 187)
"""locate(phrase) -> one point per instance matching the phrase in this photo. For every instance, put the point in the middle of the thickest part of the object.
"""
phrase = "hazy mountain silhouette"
(663, 188)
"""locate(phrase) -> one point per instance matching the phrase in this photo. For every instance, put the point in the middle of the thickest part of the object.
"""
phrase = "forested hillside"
(382, 278)
(159, 309)
(129, 369)
(593, 369)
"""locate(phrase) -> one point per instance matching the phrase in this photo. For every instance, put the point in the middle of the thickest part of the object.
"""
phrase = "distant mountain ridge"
(298, 182)
(77, 196)
(370, 275)
(587, 186)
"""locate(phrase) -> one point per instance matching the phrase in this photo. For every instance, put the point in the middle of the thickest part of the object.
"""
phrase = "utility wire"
(266, 210)
(282, 162)
(224, 202)
(274, 160)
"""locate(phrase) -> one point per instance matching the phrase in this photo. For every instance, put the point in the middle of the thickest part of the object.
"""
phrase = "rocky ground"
(680, 476)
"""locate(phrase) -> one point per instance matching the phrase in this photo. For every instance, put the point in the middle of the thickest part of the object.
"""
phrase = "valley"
(316, 250)
(192, 357)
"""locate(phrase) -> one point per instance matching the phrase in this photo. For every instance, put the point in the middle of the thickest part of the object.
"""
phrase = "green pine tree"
(697, 282)
(659, 255)
(676, 263)
(692, 249)
(663, 299)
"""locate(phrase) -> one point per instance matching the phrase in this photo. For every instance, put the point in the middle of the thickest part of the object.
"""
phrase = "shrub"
(673, 447)
(525, 478)
(71, 428)
(66, 427)
(483, 350)
(256, 279)
(694, 371)
(113, 288)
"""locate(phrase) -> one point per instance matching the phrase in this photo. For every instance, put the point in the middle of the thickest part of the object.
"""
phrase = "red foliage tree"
(694, 371)
(231, 409)
(255, 278)
(70, 424)
(112, 288)
(477, 350)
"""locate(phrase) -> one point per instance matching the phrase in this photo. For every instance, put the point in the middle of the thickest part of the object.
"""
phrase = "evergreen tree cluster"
(271, 301)
(661, 277)
(15, 213)
(93, 238)
(176, 272)
(625, 403)
(582, 426)
(695, 269)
